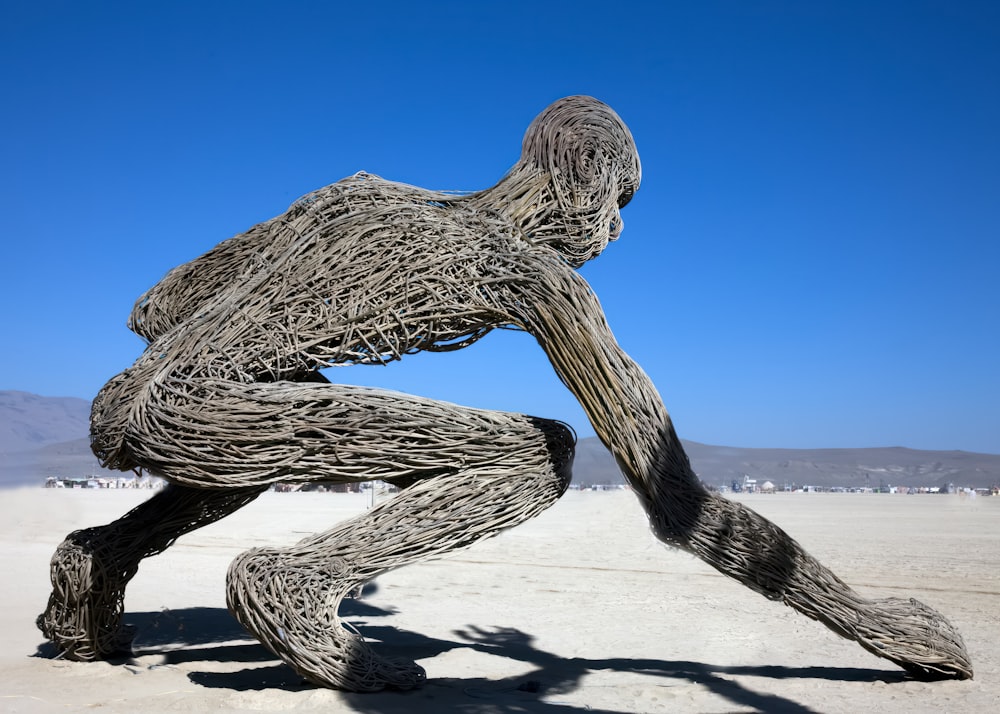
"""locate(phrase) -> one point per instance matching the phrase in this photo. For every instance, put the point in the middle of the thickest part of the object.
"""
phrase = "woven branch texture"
(228, 399)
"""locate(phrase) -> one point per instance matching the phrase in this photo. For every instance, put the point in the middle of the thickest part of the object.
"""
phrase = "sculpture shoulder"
(333, 219)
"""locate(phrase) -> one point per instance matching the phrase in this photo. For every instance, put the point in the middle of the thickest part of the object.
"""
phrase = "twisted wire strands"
(227, 399)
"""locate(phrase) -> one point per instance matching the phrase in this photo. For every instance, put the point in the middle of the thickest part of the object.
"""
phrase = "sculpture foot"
(915, 637)
(83, 618)
(292, 609)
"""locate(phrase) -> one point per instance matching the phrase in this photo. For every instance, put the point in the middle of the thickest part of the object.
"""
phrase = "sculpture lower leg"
(92, 567)
(747, 547)
(288, 598)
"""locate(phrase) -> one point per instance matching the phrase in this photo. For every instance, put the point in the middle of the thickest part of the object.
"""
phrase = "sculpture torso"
(360, 272)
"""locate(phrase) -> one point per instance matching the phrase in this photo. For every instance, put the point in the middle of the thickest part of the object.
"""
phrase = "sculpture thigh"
(211, 433)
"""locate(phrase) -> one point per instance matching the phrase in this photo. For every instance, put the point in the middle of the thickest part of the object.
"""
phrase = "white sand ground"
(579, 610)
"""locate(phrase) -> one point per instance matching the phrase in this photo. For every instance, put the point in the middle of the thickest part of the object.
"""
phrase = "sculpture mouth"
(625, 196)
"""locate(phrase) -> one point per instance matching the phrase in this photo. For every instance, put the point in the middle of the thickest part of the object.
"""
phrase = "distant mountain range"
(47, 436)
(824, 468)
(43, 436)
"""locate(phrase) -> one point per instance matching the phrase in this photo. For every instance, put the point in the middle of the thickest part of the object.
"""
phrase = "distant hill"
(28, 421)
(47, 436)
(825, 468)
(42, 436)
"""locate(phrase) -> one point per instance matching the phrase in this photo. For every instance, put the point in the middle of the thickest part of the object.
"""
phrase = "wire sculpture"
(228, 399)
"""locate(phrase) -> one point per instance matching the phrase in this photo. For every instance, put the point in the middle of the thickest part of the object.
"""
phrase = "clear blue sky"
(812, 259)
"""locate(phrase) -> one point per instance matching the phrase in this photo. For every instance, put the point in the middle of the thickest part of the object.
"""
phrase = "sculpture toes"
(85, 632)
(362, 670)
(292, 609)
(84, 612)
(918, 639)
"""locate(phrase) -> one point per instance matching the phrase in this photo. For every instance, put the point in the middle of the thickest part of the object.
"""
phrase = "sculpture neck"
(525, 197)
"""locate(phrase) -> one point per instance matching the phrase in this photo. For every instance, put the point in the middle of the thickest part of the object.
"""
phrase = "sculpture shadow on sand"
(212, 635)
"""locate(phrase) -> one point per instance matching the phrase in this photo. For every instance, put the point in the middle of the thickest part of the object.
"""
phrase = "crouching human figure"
(229, 399)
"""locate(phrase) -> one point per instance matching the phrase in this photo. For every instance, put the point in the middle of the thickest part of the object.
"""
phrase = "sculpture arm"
(629, 417)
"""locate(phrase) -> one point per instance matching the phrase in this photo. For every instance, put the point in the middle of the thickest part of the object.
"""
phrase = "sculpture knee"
(560, 441)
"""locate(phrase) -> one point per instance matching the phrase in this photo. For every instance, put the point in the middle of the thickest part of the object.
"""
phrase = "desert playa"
(578, 610)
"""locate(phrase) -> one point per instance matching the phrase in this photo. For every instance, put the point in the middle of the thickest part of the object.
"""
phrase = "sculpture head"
(593, 167)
